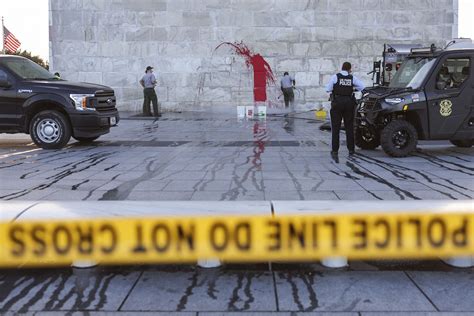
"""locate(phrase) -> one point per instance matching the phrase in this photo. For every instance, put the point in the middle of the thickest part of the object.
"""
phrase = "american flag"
(10, 42)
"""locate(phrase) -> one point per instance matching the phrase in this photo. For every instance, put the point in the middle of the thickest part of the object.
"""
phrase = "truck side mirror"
(5, 83)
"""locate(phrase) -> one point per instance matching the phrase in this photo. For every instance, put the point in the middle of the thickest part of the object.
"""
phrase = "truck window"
(3, 75)
(27, 69)
(412, 73)
(453, 73)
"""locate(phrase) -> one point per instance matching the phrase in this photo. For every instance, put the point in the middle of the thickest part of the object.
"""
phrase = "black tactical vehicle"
(51, 110)
(431, 97)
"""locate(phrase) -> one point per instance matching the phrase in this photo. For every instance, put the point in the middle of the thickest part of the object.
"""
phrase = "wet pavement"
(201, 156)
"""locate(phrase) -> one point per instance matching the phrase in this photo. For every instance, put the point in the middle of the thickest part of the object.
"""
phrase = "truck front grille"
(370, 103)
(105, 101)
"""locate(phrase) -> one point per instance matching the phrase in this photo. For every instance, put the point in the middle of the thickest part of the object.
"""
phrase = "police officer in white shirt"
(148, 82)
(341, 86)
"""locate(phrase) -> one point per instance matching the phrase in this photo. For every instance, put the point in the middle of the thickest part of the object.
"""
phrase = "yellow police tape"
(237, 238)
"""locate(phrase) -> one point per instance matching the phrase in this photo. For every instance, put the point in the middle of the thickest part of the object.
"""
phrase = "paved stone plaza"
(202, 156)
(199, 156)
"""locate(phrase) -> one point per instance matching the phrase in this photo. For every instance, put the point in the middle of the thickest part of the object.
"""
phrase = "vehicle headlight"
(80, 101)
(394, 100)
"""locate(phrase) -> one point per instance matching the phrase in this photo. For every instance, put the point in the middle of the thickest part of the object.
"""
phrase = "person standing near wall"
(148, 82)
(341, 86)
(287, 86)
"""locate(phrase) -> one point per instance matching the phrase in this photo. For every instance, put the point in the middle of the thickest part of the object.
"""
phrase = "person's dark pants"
(149, 95)
(342, 108)
(288, 95)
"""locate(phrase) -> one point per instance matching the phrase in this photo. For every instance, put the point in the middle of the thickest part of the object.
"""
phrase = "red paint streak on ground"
(262, 72)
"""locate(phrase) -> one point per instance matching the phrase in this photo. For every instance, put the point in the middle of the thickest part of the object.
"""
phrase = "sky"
(28, 21)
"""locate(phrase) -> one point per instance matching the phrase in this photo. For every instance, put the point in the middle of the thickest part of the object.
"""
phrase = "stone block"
(214, 5)
(75, 33)
(300, 18)
(278, 19)
(316, 94)
(223, 79)
(141, 34)
(317, 34)
(370, 5)
(323, 64)
(355, 33)
(293, 64)
(90, 64)
(113, 49)
(117, 33)
(167, 18)
(331, 19)
(66, 5)
(145, 19)
(304, 79)
(186, 5)
(231, 18)
(302, 5)
(141, 5)
(178, 34)
(95, 5)
(257, 6)
(112, 17)
(339, 48)
(119, 79)
(366, 48)
(196, 19)
(215, 94)
(306, 49)
(92, 77)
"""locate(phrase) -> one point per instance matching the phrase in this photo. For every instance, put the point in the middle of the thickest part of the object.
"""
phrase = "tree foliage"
(24, 53)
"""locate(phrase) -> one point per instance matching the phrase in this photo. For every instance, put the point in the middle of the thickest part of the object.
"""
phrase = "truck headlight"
(80, 101)
(394, 100)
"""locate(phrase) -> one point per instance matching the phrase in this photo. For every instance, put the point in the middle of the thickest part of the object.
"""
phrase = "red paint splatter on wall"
(262, 72)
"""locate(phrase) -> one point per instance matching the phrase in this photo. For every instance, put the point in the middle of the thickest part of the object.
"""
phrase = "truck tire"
(465, 143)
(399, 138)
(366, 140)
(85, 139)
(50, 129)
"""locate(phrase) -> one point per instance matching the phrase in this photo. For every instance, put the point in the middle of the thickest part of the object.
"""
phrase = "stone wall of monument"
(112, 41)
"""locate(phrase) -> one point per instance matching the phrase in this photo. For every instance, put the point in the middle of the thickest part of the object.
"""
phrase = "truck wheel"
(466, 143)
(85, 139)
(365, 139)
(50, 130)
(399, 138)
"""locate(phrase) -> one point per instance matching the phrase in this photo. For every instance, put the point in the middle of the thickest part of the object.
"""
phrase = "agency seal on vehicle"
(445, 108)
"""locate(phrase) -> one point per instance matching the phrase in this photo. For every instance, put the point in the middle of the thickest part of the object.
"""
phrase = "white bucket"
(249, 111)
(240, 111)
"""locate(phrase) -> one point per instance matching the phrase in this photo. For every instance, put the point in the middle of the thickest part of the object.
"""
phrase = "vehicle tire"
(365, 139)
(85, 139)
(399, 138)
(465, 143)
(50, 129)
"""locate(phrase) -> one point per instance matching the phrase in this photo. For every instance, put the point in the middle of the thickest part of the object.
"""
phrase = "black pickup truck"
(51, 110)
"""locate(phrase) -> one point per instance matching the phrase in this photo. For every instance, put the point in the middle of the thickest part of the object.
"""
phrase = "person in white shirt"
(287, 85)
(148, 82)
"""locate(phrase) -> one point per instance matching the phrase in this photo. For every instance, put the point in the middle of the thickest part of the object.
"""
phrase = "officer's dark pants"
(342, 107)
(288, 95)
(149, 95)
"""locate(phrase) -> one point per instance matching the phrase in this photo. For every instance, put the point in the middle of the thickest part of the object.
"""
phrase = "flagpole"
(3, 37)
